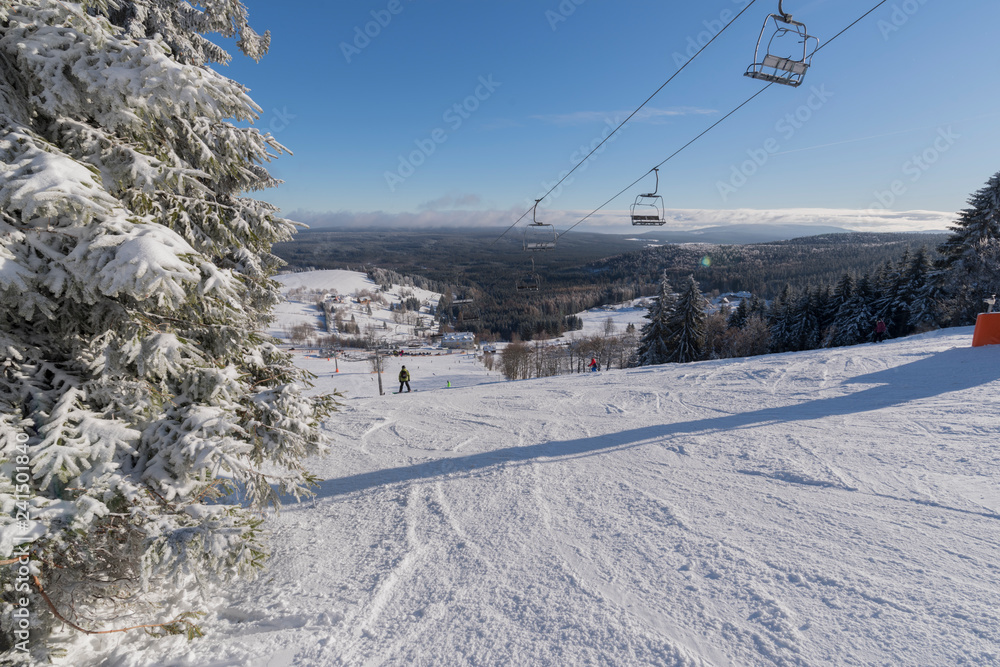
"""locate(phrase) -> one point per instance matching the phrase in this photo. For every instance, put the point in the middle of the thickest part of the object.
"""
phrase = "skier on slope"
(593, 364)
(881, 331)
(404, 378)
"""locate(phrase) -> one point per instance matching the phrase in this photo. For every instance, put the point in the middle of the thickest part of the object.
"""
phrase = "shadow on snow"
(954, 370)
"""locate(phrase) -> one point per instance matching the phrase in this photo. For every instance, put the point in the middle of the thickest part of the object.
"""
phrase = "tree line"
(911, 295)
(585, 270)
(920, 291)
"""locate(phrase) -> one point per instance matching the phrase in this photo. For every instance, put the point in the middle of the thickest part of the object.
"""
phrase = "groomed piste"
(818, 508)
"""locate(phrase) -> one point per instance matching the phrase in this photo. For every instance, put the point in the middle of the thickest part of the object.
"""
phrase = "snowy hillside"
(621, 315)
(630, 312)
(820, 508)
(302, 289)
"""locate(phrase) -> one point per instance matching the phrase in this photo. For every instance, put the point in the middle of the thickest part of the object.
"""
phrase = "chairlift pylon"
(787, 69)
(648, 208)
(538, 235)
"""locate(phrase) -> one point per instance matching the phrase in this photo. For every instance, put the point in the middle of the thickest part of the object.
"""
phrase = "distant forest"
(586, 270)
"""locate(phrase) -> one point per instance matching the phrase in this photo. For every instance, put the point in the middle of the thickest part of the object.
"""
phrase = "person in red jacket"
(880, 331)
(593, 364)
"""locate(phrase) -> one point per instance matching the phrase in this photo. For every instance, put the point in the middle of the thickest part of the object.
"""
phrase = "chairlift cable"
(622, 124)
(859, 20)
(675, 153)
(713, 126)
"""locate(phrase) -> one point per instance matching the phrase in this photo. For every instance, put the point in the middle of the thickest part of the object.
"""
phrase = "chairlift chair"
(538, 235)
(786, 69)
(648, 208)
(468, 314)
(529, 282)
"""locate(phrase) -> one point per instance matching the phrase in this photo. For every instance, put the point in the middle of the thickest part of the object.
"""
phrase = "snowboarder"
(593, 365)
(404, 378)
(880, 331)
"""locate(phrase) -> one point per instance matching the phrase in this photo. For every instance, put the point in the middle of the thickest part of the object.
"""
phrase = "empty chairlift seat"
(782, 70)
(538, 235)
(648, 208)
(528, 282)
(787, 54)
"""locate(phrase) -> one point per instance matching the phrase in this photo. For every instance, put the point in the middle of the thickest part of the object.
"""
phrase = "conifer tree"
(804, 328)
(922, 293)
(780, 318)
(686, 325)
(757, 307)
(738, 318)
(855, 319)
(135, 275)
(892, 301)
(842, 292)
(654, 334)
(825, 313)
(970, 267)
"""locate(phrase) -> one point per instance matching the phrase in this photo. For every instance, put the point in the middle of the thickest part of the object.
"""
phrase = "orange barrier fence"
(987, 330)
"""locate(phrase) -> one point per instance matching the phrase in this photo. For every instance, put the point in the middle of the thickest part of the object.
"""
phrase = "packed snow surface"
(834, 507)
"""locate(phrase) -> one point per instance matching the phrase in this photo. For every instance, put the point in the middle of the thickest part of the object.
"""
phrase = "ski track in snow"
(821, 508)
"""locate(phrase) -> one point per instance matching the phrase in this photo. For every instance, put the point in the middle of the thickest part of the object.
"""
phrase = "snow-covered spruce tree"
(781, 316)
(970, 266)
(804, 329)
(855, 322)
(757, 307)
(738, 318)
(923, 294)
(134, 279)
(686, 324)
(889, 304)
(653, 336)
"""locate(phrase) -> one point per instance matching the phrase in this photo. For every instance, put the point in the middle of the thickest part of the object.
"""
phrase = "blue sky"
(451, 112)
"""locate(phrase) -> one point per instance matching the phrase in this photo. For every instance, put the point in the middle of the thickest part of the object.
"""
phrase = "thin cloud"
(452, 202)
(384, 220)
(618, 222)
(645, 115)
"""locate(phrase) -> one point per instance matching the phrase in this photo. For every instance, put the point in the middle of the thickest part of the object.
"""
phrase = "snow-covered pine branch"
(970, 269)
(135, 273)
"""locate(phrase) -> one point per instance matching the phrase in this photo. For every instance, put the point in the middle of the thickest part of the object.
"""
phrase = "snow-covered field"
(621, 315)
(347, 284)
(832, 507)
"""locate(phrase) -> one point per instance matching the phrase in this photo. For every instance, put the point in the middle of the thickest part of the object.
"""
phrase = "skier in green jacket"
(404, 378)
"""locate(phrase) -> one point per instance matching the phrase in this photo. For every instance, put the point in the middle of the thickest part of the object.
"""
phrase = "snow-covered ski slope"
(835, 507)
